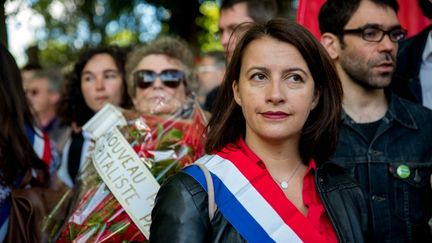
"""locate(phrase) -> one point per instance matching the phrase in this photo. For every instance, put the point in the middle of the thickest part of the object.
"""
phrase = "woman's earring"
(314, 104)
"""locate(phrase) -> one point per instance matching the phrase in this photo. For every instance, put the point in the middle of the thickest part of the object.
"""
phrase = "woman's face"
(160, 87)
(275, 91)
(101, 82)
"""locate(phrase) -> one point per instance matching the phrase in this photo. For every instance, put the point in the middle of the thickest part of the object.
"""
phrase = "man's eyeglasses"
(375, 34)
(171, 78)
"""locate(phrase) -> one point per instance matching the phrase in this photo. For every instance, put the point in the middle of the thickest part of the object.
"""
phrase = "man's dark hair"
(335, 14)
(54, 77)
(31, 66)
(260, 11)
(426, 8)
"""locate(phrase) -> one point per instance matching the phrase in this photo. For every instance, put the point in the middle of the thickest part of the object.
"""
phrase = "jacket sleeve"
(180, 213)
(345, 203)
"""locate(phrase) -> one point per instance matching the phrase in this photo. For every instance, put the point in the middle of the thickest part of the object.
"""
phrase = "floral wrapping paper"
(165, 144)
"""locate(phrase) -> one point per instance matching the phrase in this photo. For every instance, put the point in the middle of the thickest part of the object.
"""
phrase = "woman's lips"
(157, 99)
(102, 98)
(274, 115)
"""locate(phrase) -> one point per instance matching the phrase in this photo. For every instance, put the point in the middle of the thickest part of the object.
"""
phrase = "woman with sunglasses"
(274, 127)
(159, 75)
(98, 78)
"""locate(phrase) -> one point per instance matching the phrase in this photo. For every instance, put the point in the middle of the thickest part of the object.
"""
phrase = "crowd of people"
(308, 140)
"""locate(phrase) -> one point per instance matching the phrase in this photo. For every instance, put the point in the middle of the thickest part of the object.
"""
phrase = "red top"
(316, 211)
(316, 216)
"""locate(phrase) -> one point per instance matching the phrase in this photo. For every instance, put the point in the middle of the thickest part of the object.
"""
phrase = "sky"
(22, 28)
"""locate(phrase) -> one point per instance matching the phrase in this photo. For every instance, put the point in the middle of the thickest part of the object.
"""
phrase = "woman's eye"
(295, 78)
(87, 78)
(258, 76)
(110, 75)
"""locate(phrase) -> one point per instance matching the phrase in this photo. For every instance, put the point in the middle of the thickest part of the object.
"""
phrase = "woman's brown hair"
(321, 130)
(72, 106)
(16, 151)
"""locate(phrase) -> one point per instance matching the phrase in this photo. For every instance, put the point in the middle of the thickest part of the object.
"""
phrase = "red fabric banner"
(410, 16)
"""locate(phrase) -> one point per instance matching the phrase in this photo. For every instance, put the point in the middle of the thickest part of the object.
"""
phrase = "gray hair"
(54, 77)
(172, 47)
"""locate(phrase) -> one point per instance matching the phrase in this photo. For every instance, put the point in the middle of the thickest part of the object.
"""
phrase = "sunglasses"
(170, 78)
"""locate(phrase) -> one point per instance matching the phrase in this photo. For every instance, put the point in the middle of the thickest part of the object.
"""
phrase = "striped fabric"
(41, 143)
(254, 216)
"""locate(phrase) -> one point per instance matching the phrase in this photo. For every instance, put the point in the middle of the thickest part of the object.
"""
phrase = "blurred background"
(51, 32)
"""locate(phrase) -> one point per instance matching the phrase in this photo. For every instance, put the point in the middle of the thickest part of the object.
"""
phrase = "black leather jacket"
(181, 210)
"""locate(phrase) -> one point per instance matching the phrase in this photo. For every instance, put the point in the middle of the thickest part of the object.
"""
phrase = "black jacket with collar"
(181, 210)
(406, 80)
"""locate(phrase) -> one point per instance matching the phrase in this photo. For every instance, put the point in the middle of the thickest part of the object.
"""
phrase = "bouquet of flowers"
(103, 210)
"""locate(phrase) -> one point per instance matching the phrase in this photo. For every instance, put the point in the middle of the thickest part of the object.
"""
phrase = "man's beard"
(362, 73)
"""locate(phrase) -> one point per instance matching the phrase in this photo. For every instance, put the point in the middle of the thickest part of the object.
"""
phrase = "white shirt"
(425, 74)
(63, 172)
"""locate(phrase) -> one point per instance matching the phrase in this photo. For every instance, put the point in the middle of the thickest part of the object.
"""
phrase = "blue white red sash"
(245, 206)
(41, 143)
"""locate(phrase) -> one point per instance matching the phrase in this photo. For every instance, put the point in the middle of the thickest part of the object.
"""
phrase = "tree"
(72, 25)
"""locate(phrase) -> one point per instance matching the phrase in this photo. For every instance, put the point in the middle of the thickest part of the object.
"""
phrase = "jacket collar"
(410, 54)
(427, 53)
(397, 112)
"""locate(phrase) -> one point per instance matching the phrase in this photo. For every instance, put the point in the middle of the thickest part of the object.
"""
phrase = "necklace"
(284, 184)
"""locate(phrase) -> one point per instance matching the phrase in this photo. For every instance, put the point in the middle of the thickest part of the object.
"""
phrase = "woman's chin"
(158, 106)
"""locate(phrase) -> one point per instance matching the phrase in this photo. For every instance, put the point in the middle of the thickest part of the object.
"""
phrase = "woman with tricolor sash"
(274, 127)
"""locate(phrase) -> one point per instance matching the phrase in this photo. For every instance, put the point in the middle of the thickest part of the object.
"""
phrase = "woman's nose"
(274, 93)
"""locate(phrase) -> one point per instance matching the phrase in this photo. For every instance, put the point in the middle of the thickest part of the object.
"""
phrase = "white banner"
(104, 120)
(127, 177)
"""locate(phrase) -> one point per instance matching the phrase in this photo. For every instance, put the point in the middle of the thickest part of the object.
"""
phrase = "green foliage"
(122, 38)
(208, 36)
(71, 25)
(56, 53)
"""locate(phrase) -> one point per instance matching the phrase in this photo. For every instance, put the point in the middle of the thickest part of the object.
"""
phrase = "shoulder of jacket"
(183, 181)
(415, 42)
(419, 112)
(412, 105)
(331, 176)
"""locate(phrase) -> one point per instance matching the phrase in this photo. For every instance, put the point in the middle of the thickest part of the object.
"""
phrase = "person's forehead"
(100, 61)
(207, 60)
(235, 15)
(159, 62)
(36, 81)
(372, 13)
(27, 74)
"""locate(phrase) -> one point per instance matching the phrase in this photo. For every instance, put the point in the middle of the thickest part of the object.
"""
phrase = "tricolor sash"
(40, 142)
(253, 203)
